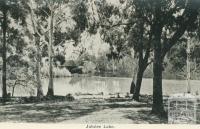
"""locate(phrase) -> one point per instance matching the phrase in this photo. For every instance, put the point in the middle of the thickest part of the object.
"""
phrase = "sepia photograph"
(100, 62)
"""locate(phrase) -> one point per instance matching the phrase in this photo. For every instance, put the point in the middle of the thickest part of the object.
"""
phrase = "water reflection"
(107, 85)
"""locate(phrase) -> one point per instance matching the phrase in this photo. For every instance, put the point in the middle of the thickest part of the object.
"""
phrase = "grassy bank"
(90, 110)
(61, 109)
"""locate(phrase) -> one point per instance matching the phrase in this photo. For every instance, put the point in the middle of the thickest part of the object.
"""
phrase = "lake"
(96, 85)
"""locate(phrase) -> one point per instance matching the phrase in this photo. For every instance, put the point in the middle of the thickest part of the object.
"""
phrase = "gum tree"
(132, 21)
(9, 10)
(171, 19)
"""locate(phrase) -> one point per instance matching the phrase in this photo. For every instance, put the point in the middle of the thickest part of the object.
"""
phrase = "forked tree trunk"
(4, 51)
(132, 86)
(135, 71)
(50, 87)
(136, 93)
(141, 64)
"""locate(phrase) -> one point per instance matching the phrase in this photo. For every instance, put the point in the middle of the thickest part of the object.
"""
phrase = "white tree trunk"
(50, 88)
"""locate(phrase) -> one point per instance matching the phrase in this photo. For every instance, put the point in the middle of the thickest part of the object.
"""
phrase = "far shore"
(100, 76)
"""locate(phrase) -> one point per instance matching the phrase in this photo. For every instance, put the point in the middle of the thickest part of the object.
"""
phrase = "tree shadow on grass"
(145, 116)
(128, 103)
(46, 112)
(116, 105)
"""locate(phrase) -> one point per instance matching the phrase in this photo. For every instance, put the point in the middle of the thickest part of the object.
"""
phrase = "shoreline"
(120, 77)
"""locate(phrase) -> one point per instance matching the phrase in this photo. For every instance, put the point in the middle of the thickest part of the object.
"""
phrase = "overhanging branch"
(190, 16)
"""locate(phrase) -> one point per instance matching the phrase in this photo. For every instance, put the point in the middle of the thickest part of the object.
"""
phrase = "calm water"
(95, 85)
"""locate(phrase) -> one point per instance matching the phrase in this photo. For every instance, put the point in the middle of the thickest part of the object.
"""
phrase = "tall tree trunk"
(50, 87)
(38, 68)
(4, 51)
(157, 26)
(157, 107)
(38, 55)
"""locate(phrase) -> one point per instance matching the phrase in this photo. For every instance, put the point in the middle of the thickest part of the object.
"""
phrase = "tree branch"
(116, 25)
(33, 20)
(45, 12)
(189, 15)
(148, 49)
